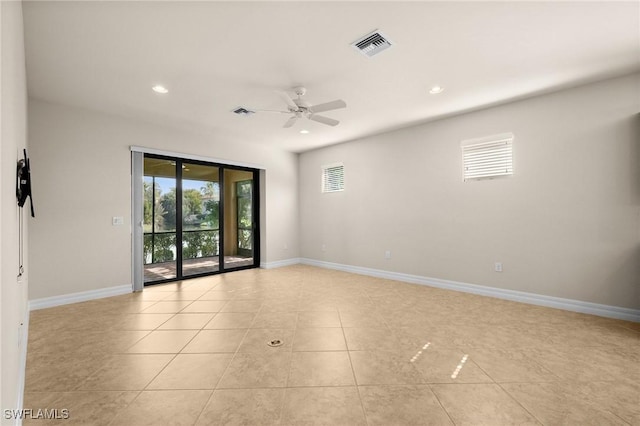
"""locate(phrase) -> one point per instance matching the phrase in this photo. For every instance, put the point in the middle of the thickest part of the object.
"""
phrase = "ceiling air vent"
(372, 43)
(243, 111)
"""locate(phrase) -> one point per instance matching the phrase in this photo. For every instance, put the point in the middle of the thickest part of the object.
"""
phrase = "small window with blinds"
(333, 178)
(487, 158)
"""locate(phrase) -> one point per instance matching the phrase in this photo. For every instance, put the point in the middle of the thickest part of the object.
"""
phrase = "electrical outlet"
(387, 254)
(498, 267)
(324, 247)
(285, 247)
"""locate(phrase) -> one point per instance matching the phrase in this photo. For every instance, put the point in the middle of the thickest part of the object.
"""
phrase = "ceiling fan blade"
(337, 104)
(287, 99)
(290, 122)
(271, 110)
(324, 120)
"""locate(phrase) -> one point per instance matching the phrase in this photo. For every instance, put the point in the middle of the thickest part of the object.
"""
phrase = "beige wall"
(13, 125)
(83, 178)
(566, 224)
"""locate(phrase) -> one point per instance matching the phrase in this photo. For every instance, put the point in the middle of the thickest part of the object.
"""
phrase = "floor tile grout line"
(293, 339)
(539, 364)
(170, 361)
(513, 398)
(78, 386)
(353, 371)
(479, 367)
(125, 407)
(440, 403)
(284, 393)
(618, 416)
(233, 357)
(205, 405)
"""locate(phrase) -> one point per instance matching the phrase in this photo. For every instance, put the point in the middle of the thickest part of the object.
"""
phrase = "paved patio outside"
(167, 270)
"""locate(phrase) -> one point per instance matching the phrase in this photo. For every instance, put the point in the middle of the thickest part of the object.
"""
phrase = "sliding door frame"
(137, 215)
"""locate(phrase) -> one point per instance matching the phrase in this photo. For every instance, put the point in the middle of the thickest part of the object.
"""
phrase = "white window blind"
(333, 178)
(487, 157)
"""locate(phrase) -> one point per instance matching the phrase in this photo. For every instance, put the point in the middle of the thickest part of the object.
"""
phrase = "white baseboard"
(516, 296)
(513, 295)
(280, 263)
(22, 364)
(83, 296)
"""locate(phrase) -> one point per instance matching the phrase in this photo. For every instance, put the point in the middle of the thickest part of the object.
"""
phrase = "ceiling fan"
(299, 108)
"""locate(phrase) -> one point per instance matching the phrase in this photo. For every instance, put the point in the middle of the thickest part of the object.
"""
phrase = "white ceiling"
(215, 56)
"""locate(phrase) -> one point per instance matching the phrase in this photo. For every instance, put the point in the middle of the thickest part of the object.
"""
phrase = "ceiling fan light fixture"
(160, 89)
(436, 89)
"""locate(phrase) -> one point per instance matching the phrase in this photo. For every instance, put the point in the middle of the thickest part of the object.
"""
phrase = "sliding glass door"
(244, 219)
(159, 220)
(239, 224)
(199, 219)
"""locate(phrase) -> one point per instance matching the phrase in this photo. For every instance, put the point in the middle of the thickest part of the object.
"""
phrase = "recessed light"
(436, 89)
(160, 89)
(304, 132)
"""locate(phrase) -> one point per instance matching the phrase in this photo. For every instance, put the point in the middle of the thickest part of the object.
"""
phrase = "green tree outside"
(200, 212)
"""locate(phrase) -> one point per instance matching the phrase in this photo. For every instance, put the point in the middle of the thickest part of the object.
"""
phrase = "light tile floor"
(357, 350)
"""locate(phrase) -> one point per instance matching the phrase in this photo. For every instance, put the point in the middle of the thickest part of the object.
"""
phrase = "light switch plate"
(117, 220)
